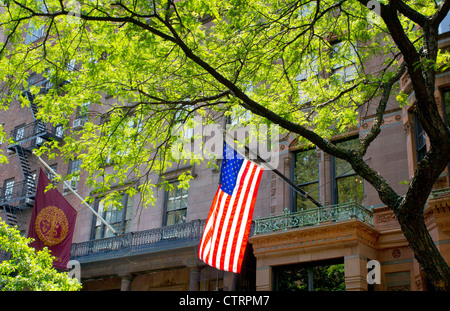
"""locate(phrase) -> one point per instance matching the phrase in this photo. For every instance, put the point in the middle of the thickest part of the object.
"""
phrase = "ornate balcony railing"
(315, 216)
(440, 192)
(143, 241)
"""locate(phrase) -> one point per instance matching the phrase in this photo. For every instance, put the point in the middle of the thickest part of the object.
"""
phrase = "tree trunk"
(425, 250)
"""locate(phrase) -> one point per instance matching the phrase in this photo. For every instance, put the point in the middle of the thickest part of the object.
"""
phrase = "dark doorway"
(326, 275)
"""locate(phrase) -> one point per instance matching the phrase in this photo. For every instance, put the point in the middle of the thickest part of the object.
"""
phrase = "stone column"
(408, 129)
(126, 282)
(263, 278)
(326, 184)
(194, 280)
(230, 281)
(355, 269)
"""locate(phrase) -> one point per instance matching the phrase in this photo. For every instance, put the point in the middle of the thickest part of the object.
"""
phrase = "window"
(59, 131)
(175, 205)
(345, 67)
(118, 217)
(74, 168)
(347, 185)
(342, 181)
(421, 140)
(49, 174)
(239, 117)
(83, 111)
(326, 275)
(70, 66)
(306, 176)
(34, 33)
(8, 189)
(19, 133)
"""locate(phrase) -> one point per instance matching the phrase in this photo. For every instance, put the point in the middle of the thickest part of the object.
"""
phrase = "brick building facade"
(157, 246)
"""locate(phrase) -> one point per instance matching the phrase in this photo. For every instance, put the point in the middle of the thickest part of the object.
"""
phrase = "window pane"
(117, 227)
(324, 278)
(350, 189)
(176, 205)
(343, 167)
(306, 167)
(176, 217)
(74, 166)
(97, 232)
(177, 198)
(421, 140)
(129, 208)
(115, 217)
(171, 204)
(304, 203)
(98, 222)
(20, 133)
(8, 189)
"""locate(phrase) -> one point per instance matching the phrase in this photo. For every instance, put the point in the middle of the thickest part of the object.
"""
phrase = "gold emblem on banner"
(51, 225)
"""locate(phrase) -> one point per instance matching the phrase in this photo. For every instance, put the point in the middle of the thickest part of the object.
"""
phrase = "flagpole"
(76, 194)
(284, 178)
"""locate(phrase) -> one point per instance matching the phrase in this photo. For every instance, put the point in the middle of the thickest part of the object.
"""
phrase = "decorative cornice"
(440, 207)
(314, 236)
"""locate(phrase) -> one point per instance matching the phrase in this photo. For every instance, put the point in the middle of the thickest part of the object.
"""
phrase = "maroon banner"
(52, 223)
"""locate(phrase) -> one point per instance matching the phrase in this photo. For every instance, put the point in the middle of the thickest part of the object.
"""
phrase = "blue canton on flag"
(231, 165)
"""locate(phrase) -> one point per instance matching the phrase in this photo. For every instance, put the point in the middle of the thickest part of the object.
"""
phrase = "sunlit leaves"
(307, 61)
(27, 269)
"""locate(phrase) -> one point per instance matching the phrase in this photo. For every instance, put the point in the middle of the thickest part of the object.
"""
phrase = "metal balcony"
(21, 195)
(34, 134)
(142, 242)
(314, 216)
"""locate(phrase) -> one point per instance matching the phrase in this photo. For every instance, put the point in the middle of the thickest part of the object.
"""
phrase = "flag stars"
(231, 165)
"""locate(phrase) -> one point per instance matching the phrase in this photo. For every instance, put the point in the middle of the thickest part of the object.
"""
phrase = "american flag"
(228, 225)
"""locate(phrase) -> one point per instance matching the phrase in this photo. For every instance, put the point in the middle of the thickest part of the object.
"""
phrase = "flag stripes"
(228, 225)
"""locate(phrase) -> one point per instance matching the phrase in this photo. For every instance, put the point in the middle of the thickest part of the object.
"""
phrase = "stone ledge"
(315, 236)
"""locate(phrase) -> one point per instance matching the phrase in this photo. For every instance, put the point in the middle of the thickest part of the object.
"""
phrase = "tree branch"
(410, 13)
(441, 13)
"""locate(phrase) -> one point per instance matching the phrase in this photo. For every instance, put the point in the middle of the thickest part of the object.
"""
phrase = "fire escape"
(18, 196)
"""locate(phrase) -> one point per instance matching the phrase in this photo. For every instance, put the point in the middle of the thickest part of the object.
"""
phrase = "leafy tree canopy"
(302, 64)
(27, 269)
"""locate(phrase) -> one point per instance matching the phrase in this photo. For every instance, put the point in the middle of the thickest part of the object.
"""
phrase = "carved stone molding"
(440, 207)
(405, 83)
(315, 236)
(388, 217)
(407, 127)
(396, 253)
